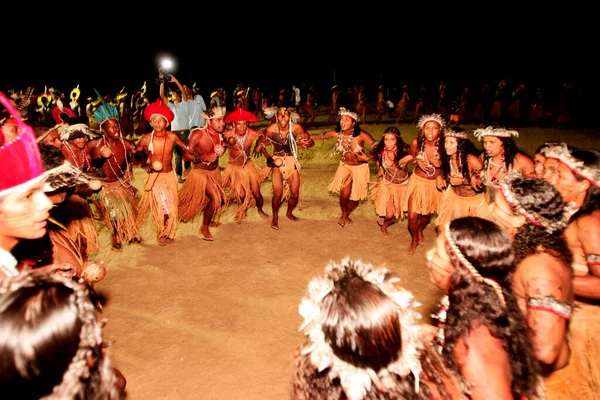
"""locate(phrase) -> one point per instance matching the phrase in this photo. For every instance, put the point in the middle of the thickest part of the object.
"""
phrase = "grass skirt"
(160, 199)
(425, 195)
(192, 194)
(80, 225)
(358, 175)
(454, 206)
(237, 179)
(117, 208)
(389, 198)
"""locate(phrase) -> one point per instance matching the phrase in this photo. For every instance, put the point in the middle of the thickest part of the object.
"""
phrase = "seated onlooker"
(51, 342)
(482, 334)
(363, 342)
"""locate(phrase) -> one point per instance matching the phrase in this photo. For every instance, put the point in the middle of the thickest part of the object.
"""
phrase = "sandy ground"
(219, 320)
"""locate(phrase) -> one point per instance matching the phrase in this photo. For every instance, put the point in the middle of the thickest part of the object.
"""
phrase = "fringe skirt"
(454, 206)
(425, 195)
(160, 200)
(358, 175)
(118, 210)
(80, 224)
(239, 179)
(192, 194)
(389, 198)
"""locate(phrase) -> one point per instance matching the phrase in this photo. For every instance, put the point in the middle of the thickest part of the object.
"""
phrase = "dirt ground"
(219, 320)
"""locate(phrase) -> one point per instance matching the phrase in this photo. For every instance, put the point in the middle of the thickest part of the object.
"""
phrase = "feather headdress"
(67, 132)
(270, 112)
(104, 112)
(562, 153)
(344, 111)
(214, 112)
(451, 133)
(356, 381)
(431, 117)
(490, 131)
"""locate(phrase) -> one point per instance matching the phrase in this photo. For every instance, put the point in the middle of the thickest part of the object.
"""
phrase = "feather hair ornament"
(490, 131)
(66, 132)
(356, 381)
(65, 175)
(270, 112)
(105, 111)
(562, 153)
(431, 117)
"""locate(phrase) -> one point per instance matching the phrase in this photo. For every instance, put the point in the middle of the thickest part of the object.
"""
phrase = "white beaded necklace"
(84, 159)
(127, 184)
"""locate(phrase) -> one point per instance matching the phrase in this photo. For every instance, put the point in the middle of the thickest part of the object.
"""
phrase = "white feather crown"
(490, 131)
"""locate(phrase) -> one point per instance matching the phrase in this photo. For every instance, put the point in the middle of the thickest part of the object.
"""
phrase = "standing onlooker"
(181, 108)
(482, 334)
(296, 96)
(197, 107)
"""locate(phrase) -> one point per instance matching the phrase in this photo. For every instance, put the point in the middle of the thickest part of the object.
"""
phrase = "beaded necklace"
(386, 167)
(344, 147)
(240, 143)
(426, 159)
(441, 317)
(127, 183)
(84, 159)
(493, 179)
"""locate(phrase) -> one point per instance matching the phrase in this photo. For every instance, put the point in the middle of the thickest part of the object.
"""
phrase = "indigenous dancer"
(462, 168)
(501, 156)
(427, 179)
(578, 181)
(286, 135)
(154, 151)
(77, 213)
(482, 334)
(203, 189)
(115, 201)
(363, 341)
(532, 212)
(351, 179)
(241, 176)
(24, 208)
(392, 156)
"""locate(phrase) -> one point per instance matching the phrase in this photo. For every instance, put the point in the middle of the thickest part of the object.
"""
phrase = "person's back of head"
(361, 338)
(51, 341)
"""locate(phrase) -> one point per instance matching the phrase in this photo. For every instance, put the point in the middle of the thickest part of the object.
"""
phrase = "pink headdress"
(20, 159)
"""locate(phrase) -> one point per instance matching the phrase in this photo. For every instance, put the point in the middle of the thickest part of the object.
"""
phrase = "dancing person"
(310, 107)
(52, 344)
(501, 155)
(482, 334)
(427, 179)
(334, 107)
(532, 212)
(352, 176)
(462, 166)
(392, 156)
(78, 215)
(362, 340)
(241, 176)
(203, 191)
(402, 106)
(154, 152)
(115, 201)
(285, 135)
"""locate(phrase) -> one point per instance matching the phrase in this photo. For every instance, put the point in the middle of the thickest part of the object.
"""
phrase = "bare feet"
(380, 221)
(348, 220)
(215, 224)
(291, 217)
(263, 214)
(421, 237)
(116, 246)
(383, 229)
(413, 247)
(275, 223)
(206, 233)
(164, 240)
(342, 222)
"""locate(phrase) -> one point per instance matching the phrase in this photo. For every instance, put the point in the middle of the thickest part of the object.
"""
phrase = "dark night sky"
(108, 50)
